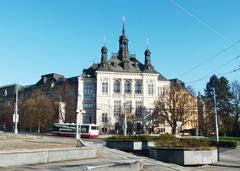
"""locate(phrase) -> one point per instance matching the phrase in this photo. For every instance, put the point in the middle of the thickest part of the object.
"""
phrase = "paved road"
(230, 155)
(229, 160)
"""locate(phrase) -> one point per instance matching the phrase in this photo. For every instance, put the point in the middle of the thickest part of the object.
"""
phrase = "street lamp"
(15, 114)
(79, 111)
(79, 142)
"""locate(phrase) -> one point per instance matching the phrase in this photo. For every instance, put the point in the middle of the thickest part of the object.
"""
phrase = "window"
(94, 128)
(162, 120)
(127, 87)
(150, 89)
(104, 117)
(162, 130)
(70, 93)
(104, 130)
(138, 87)
(47, 93)
(116, 87)
(128, 106)
(88, 90)
(117, 107)
(105, 88)
(88, 105)
(138, 108)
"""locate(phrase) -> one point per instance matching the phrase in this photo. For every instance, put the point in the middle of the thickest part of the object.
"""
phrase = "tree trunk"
(174, 130)
(39, 126)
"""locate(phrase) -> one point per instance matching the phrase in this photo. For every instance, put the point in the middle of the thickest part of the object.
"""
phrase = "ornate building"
(121, 85)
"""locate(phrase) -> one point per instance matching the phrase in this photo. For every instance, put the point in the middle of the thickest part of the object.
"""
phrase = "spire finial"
(123, 29)
(147, 42)
(104, 40)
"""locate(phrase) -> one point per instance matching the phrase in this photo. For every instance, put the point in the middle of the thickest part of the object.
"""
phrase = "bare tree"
(176, 104)
(38, 113)
(235, 89)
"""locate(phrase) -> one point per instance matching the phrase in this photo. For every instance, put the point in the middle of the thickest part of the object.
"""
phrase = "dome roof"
(104, 49)
(147, 52)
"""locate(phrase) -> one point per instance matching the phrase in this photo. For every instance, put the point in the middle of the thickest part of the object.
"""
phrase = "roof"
(50, 78)
(115, 64)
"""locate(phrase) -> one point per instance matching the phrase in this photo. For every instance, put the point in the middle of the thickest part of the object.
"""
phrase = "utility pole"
(216, 120)
(79, 111)
(15, 115)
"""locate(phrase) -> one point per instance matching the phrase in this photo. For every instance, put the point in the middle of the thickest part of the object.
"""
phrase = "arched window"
(138, 87)
(127, 87)
(116, 86)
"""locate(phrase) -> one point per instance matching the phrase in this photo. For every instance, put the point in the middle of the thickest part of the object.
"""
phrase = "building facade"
(53, 86)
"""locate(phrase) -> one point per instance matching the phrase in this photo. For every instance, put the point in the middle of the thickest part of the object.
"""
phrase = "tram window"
(94, 127)
(84, 129)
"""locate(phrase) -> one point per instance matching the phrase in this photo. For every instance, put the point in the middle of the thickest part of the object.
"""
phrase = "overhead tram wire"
(199, 20)
(227, 63)
(225, 73)
(210, 58)
(206, 76)
(202, 22)
(188, 12)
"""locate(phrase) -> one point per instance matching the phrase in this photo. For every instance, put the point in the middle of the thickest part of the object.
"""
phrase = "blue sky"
(189, 39)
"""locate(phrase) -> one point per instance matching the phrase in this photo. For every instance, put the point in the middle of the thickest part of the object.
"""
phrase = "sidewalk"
(106, 159)
(227, 164)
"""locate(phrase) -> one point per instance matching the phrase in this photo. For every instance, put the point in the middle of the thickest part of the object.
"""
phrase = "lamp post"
(79, 142)
(79, 111)
(125, 116)
(216, 120)
(5, 94)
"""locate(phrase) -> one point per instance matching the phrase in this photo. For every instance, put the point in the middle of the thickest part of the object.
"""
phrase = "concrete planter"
(22, 157)
(129, 145)
(184, 156)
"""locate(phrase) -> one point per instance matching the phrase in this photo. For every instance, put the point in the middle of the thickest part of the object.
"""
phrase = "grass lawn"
(230, 139)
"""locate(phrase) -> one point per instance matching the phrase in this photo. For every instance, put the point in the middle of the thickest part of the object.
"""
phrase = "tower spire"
(123, 44)
(123, 29)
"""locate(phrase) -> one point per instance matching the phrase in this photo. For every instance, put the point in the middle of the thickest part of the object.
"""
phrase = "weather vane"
(104, 39)
(123, 29)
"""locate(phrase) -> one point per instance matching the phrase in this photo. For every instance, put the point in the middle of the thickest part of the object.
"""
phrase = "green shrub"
(183, 143)
(233, 144)
(132, 138)
(192, 143)
(166, 140)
